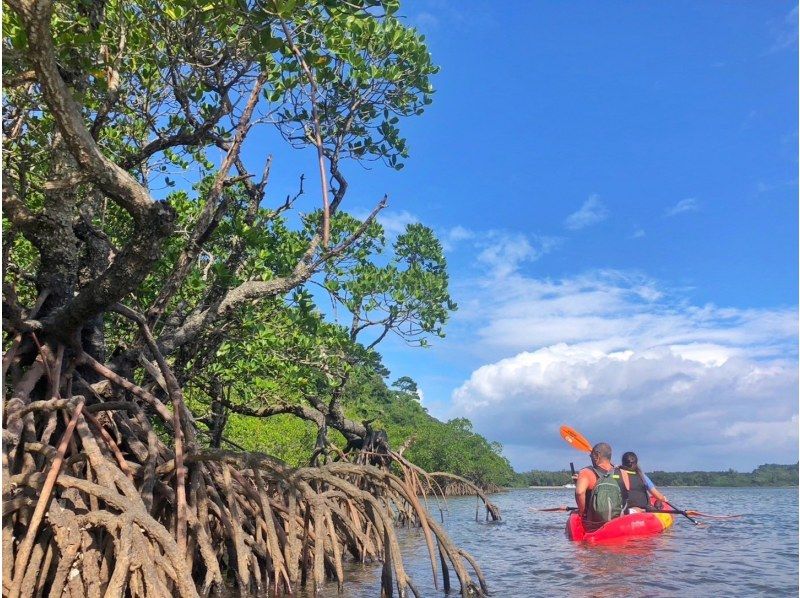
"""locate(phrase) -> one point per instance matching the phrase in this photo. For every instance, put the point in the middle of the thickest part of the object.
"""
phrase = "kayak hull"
(627, 526)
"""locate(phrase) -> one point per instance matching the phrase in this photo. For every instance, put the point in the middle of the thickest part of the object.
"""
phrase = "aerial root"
(92, 504)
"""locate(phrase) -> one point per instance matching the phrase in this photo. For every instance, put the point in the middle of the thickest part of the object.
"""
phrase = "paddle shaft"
(694, 513)
(685, 514)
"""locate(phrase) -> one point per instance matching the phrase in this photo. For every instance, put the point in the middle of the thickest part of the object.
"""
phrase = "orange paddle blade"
(575, 439)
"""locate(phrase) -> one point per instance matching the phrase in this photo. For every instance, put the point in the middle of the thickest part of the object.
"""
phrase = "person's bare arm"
(651, 488)
(581, 486)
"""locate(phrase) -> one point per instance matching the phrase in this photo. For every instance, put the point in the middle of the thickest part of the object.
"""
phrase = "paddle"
(699, 514)
(676, 511)
(564, 508)
(694, 513)
(578, 441)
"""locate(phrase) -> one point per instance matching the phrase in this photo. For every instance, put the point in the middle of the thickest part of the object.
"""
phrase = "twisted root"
(111, 509)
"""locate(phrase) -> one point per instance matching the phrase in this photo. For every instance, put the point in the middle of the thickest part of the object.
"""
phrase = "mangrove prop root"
(96, 503)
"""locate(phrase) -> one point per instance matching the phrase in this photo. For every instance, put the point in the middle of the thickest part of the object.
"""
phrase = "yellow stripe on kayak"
(665, 519)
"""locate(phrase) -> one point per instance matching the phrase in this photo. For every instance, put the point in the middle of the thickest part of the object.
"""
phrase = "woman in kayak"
(636, 486)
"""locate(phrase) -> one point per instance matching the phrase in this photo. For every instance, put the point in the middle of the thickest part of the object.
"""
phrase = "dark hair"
(602, 450)
(631, 462)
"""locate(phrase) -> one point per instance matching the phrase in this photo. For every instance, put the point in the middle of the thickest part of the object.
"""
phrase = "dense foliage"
(433, 445)
(153, 276)
(232, 295)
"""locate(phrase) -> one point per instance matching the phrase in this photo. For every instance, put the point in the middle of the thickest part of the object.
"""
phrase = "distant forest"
(764, 475)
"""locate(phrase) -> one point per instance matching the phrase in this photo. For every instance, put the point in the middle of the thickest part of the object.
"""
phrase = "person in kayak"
(636, 487)
(601, 473)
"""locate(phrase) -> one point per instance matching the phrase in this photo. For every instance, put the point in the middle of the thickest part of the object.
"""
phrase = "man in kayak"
(601, 471)
(636, 486)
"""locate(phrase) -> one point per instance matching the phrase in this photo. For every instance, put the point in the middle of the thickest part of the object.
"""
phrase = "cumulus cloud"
(591, 212)
(624, 360)
(675, 411)
(685, 205)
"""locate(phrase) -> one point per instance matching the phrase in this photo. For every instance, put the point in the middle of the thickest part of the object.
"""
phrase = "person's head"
(601, 453)
(630, 461)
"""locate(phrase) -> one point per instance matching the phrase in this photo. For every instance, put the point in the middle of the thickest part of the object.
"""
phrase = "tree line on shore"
(764, 475)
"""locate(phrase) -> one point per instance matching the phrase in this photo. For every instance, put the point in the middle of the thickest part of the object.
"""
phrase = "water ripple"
(529, 555)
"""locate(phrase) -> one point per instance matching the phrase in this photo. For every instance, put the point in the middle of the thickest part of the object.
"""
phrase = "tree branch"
(307, 413)
(113, 180)
(15, 209)
(213, 210)
(199, 320)
(317, 137)
(130, 267)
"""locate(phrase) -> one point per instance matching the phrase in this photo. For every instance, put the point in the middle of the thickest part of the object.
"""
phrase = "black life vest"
(636, 494)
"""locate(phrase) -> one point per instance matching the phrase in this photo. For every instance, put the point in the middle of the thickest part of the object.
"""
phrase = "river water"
(528, 554)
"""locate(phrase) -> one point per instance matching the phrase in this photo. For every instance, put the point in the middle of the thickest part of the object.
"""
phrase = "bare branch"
(213, 210)
(307, 413)
(317, 135)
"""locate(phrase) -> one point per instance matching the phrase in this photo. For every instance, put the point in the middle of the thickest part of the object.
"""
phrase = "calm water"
(529, 555)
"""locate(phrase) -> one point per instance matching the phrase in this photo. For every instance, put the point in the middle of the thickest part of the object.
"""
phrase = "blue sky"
(616, 187)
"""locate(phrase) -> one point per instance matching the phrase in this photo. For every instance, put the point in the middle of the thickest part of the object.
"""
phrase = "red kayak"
(626, 526)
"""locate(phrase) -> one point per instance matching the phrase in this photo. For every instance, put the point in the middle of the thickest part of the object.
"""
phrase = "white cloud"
(500, 251)
(625, 360)
(638, 233)
(504, 252)
(762, 433)
(591, 212)
(609, 309)
(669, 408)
(395, 223)
(421, 396)
(452, 237)
(685, 205)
